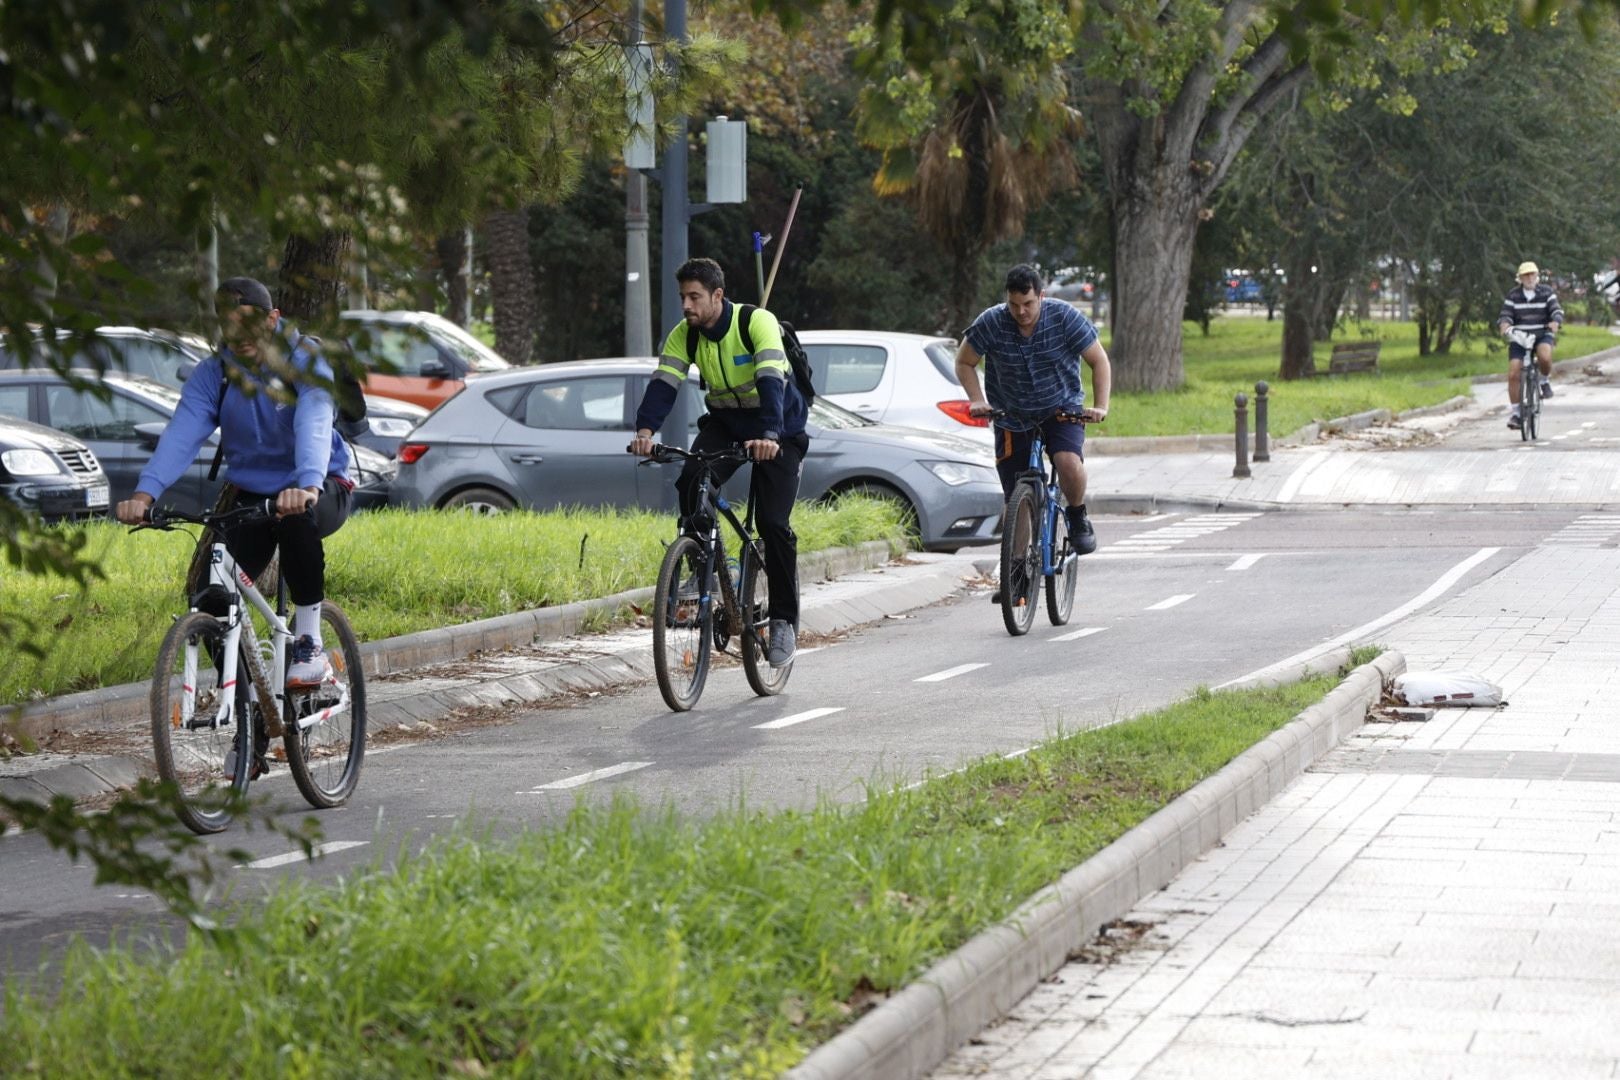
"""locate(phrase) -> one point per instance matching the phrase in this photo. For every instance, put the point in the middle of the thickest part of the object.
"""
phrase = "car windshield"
(943, 355)
(165, 396)
(836, 417)
(476, 355)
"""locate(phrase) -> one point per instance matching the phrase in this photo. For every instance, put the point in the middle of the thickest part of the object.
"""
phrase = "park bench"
(1349, 356)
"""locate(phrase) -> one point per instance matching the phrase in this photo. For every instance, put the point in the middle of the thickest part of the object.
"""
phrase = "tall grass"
(393, 571)
(628, 943)
(1242, 350)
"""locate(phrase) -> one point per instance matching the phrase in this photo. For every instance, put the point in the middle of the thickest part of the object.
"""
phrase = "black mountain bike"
(703, 600)
(1529, 386)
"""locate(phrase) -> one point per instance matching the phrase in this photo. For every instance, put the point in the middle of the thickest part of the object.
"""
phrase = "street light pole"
(637, 289)
(673, 181)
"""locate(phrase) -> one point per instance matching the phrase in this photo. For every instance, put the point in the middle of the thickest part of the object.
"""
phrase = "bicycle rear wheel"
(325, 754)
(204, 760)
(1020, 559)
(683, 625)
(1529, 400)
(755, 629)
(1060, 587)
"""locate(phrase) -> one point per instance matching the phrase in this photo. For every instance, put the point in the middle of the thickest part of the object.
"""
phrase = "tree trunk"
(964, 289)
(312, 287)
(455, 263)
(1332, 291)
(511, 284)
(1299, 304)
(1156, 223)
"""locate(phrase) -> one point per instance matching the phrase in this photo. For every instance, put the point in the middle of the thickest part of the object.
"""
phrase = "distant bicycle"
(1529, 386)
(1035, 543)
(219, 693)
(698, 605)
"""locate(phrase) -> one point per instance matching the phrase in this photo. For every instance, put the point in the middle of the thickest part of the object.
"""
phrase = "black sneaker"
(1081, 535)
(995, 597)
(1546, 389)
(1514, 422)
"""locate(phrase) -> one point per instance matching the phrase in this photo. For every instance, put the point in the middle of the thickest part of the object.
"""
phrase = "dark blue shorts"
(1012, 447)
(1517, 353)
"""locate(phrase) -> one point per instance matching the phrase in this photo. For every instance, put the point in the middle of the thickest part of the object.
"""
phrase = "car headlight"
(369, 462)
(390, 427)
(957, 473)
(29, 463)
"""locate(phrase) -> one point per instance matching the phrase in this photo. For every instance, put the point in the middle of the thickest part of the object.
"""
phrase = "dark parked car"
(123, 429)
(49, 473)
(170, 358)
(556, 434)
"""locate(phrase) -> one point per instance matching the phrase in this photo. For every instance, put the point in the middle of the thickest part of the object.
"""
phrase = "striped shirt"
(1532, 313)
(1032, 377)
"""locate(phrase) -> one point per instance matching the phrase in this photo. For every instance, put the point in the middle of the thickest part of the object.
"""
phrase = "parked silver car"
(555, 435)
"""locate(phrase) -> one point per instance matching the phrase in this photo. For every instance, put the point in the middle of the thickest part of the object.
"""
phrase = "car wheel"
(908, 512)
(478, 500)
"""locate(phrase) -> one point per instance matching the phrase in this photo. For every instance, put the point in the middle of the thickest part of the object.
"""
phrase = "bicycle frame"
(1048, 484)
(710, 497)
(225, 573)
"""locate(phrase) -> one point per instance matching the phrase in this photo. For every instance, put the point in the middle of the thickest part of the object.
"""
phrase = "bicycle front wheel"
(1060, 587)
(324, 729)
(1528, 400)
(683, 625)
(765, 680)
(205, 755)
(1020, 559)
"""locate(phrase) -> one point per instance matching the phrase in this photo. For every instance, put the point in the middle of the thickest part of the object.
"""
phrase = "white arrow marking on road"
(797, 718)
(1445, 582)
(1246, 561)
(298, 856)
(1162, 605)
(950, 673)
(585, 778)
(1076, 635)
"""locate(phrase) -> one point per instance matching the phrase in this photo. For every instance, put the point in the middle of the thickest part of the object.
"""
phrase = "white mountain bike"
(220, 693)
(1529, 385)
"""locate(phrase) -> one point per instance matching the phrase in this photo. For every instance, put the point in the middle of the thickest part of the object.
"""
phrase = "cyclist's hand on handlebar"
(295, 500)
(762, 449)
(979, 408)
(132, 511)
(1091, 414)
(641, 445)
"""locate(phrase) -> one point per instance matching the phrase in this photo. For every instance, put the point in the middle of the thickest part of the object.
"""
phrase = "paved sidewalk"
(1435, 899)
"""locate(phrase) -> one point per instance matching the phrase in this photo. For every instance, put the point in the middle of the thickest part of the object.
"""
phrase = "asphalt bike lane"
(884, 704)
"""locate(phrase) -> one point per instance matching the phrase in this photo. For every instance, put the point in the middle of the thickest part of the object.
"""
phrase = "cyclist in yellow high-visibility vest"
(753, 401)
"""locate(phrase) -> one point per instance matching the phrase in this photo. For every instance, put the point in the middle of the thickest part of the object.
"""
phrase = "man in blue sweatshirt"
(752, 400)
(277, 440)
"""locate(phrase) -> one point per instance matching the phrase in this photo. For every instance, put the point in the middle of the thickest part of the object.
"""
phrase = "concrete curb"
(913, 1031)
(114, 707)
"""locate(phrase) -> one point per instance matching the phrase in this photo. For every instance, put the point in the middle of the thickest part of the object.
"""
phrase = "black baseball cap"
(246, 290)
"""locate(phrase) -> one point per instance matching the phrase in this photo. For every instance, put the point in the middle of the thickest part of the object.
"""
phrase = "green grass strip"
(1243, 350)
(393, 571)
(625, 942)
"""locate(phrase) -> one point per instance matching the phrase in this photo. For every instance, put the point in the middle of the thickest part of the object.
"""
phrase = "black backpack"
(797, 358)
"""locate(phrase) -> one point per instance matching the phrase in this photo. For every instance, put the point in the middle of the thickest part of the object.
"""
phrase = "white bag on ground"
(1447, 688)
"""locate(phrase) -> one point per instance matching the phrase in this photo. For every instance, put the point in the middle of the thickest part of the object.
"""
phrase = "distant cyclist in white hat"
(1533, 308)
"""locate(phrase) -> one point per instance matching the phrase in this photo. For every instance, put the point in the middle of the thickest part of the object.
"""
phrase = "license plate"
(96, 496)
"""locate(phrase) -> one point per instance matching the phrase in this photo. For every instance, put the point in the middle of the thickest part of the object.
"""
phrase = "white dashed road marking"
(1162, 605)
(1245, 561)
(1588, 530)
(585, 778)
(797, 718)
(1076, 635)
(950, 673)
(327, 848)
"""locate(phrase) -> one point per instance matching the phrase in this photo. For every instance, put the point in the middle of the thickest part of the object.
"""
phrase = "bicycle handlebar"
(167, 517)
(1061, 414)
(663, 455)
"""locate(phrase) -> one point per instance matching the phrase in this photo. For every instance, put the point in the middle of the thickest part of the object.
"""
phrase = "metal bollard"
(1241, 408)
(1262, 449)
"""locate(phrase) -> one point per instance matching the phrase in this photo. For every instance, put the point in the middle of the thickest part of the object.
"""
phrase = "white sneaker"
(310, 666)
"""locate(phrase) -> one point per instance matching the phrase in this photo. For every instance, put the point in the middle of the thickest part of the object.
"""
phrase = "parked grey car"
(555, 435)
(123, 430)
(49, 473)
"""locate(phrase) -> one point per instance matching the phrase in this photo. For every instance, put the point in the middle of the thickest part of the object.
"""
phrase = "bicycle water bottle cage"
(213, 599)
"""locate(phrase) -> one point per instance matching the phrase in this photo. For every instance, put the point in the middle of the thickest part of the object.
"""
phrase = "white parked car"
(893, 378)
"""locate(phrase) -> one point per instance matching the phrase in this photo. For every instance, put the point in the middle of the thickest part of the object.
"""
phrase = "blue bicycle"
(1035, 543)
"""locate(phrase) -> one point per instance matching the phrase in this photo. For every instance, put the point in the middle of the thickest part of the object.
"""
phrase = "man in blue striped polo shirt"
(1031, 348)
